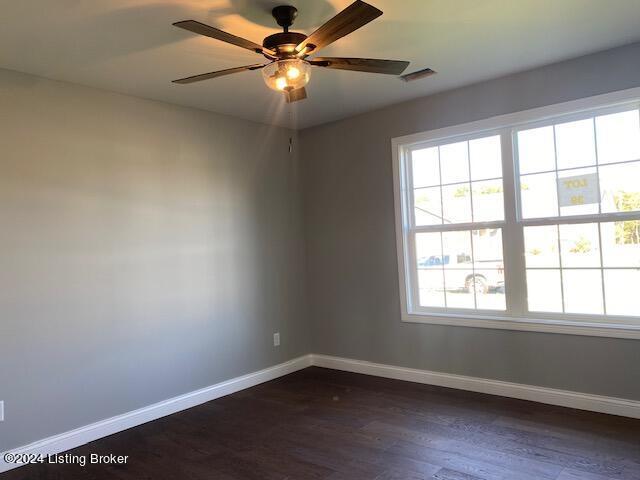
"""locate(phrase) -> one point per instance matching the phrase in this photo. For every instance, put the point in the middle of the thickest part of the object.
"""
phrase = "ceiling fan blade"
(296, 95)
(348, 20)
(371, 65)
(202, 29)
(410, 77)
(219, 73)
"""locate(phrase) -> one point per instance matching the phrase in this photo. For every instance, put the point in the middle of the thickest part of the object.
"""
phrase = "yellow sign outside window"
(578, 190)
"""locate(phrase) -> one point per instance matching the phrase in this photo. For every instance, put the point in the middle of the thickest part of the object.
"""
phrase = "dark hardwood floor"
(325, 424)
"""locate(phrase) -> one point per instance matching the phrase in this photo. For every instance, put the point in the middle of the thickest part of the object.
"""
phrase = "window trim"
(515, 317)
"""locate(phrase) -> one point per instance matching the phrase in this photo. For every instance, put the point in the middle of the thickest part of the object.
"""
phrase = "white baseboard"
(80, 436)
(551, 396)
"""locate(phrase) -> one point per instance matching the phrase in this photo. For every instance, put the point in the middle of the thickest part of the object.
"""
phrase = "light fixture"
(287, 75)
(288, 53)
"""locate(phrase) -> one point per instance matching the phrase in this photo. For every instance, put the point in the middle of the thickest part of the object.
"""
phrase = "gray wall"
(146, 250)
(351, 250)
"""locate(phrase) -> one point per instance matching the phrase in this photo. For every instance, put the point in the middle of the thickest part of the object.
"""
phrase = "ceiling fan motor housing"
(284, 43)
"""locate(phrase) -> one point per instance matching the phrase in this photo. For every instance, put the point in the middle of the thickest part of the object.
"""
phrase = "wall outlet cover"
(276, 339)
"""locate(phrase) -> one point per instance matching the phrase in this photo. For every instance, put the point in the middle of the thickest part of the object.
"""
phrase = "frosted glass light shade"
(285, 75)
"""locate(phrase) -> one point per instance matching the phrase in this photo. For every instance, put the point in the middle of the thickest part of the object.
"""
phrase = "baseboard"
(80, 436)
(551, 396)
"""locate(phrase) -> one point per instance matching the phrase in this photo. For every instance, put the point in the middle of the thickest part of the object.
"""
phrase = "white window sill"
(590, 328)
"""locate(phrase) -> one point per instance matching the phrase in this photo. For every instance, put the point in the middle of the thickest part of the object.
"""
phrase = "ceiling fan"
(289, 69)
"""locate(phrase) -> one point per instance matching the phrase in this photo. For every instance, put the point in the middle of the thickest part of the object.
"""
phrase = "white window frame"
(516, 316)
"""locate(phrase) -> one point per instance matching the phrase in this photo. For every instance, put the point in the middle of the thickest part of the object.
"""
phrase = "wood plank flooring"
(325, 424)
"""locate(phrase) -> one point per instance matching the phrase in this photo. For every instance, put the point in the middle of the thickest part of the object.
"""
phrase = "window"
(519, 223)
(594, 165)
(456, 226)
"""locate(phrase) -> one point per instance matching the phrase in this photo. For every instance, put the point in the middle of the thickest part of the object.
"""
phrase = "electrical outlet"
(276, 339)
(1, 410)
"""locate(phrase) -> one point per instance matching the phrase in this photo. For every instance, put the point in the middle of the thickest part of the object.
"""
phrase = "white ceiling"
(129, 46)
